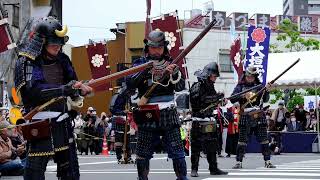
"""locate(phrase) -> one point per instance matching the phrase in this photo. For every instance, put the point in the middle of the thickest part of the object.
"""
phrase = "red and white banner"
(99, 65)
(169, 24)
(148, 27)
(236, 57)
(5, 40)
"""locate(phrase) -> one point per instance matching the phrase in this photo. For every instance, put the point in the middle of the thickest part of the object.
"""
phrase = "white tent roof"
(304, 74)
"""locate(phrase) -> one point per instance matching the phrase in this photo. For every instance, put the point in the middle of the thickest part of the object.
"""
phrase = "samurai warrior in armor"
(252, 120)
(43, 72)
(166, 124)
(118, 109)
(204, 132)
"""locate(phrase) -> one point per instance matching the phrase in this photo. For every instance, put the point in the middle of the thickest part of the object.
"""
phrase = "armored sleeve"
(118, 105)
(133, 81)
(29, 80)
(236, 90)
(195, 93)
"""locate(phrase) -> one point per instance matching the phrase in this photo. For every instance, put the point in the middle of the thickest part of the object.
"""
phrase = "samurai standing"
(159, 117)
(253, 119)
(204, 131)
(44, 72)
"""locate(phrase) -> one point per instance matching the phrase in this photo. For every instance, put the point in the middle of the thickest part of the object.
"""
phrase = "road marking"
(206, 172)
(54, 167)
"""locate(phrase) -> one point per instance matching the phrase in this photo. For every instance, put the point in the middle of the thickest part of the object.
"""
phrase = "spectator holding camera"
(91, 114)
(313, 123)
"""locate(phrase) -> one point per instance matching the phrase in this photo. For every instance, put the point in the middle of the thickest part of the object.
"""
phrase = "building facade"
(215, 46)
(301, 7)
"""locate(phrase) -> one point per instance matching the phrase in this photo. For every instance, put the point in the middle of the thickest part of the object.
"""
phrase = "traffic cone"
(105, 146)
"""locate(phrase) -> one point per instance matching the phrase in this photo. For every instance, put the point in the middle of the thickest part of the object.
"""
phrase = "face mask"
(293, 119)
(308, 117)
(188, 116)
(267, 117)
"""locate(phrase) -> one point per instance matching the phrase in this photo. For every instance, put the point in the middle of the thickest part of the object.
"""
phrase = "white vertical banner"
(310, 102)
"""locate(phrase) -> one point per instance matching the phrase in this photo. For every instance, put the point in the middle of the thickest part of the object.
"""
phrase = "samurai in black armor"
(204, 132)
(252, 119)
(118, 109)
(159, 116)
(43, 72)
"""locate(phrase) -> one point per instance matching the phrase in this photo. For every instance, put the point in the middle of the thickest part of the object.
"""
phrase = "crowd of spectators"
(291, 121)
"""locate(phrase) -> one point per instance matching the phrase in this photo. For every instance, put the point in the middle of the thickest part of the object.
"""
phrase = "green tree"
(295, 100)
(312, 91)
(278, 95)
(289, 31)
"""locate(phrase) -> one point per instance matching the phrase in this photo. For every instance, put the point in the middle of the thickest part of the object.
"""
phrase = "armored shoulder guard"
(23, 72)
(195, 90)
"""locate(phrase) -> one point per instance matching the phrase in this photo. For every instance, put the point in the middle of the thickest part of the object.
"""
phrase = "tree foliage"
(295, 97)
(289, 31)
(312, 91)
(295, 100)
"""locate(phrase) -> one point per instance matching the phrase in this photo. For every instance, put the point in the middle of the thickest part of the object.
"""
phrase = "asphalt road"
(289, 166)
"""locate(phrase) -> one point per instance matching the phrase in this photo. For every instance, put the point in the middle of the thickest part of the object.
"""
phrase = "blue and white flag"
(257, 51)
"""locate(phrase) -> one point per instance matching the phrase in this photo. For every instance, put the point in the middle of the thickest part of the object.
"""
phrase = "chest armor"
(53, 73)
(158, 69)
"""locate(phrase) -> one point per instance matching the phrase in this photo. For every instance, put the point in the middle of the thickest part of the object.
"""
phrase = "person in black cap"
(204, 132)
(159, 118)
(253, 119)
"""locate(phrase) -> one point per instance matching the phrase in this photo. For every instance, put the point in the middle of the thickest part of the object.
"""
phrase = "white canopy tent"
(305, 74)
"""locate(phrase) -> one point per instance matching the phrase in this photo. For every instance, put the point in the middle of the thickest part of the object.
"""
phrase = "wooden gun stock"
(103, 80)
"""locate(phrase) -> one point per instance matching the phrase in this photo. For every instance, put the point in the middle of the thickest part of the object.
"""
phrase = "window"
(15, 16)
(225, 62)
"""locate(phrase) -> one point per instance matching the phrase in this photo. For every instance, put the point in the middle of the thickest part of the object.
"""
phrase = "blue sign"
(257, 51)
(311, 105)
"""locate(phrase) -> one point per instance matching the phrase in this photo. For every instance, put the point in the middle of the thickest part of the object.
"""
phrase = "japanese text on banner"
(257, 50)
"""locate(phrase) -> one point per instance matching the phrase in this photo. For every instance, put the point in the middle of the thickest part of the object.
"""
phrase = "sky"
(92, 19)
